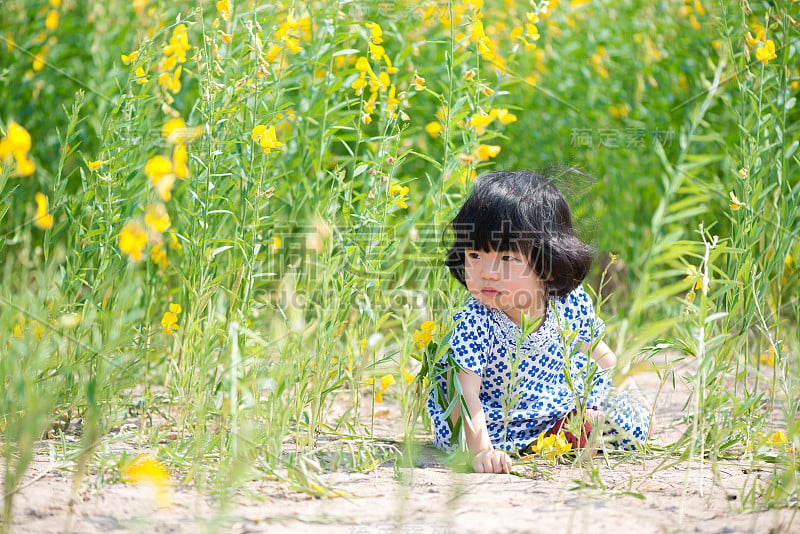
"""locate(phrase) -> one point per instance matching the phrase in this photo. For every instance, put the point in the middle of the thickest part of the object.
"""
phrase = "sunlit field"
(223, 226)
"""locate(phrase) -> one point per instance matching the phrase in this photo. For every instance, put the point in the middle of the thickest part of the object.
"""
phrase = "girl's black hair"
(524, 212)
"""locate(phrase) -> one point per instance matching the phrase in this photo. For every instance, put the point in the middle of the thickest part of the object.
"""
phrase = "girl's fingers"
(492, 462)
(490, 468)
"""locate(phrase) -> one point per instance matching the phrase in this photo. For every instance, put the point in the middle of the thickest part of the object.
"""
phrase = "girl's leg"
(629, 421)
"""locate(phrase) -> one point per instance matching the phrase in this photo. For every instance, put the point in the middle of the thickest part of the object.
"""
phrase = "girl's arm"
(602, 355)
(606, 359)
(485, 459)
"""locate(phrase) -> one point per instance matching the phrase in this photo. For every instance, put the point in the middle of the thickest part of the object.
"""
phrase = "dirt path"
(434, 500)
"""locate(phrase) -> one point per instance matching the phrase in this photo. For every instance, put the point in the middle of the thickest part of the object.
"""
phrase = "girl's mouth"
(490, 292)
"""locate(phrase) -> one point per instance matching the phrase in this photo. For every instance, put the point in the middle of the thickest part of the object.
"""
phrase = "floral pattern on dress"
(484, 340)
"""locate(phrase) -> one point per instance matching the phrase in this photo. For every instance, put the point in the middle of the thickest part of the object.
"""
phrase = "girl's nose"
(490, 271)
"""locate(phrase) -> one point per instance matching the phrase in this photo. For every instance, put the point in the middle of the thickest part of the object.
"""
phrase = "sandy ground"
(640, 496)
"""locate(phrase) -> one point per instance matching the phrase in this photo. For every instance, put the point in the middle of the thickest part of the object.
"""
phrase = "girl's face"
(505, 281)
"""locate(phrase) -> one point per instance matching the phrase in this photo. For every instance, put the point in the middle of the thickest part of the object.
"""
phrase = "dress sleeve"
(471, 339)
(579, 310)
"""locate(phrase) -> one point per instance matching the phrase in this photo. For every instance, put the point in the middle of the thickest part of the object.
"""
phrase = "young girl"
(516, 252)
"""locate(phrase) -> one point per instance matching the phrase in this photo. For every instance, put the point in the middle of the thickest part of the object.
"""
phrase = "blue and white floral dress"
(526, 391)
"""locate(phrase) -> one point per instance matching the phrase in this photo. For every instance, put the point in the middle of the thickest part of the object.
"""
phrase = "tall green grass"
(303, 272)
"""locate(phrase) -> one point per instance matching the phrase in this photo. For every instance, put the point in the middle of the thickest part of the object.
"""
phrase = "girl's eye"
(473, 255)
(509, 258)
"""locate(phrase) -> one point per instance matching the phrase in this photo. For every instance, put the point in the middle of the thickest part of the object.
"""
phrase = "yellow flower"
(486, 152)
(502, 115)
(157, 218)
(43, 219)
(179, 159)
(169, 322)
(620, 110)
(735, 202)
(51, 22)
(383, 81)
(778, 438)
(224, 8)
(156, 167)
(172, 127)
(175, 131)
(167, 64)
(479, 122)
(434, 128)
(141, 76)
(766, 52)
(174, 243)
(392, 102)
(25, 167)
(768, 358)
(359, 84)
(551, 447)
(699, 8)
(743, 173)
(397, 195)
(485, 89)
(127, 59)
(159, 256)
(132, 240)
(16, 140)
(376, 51)
(266, 137)
(478, 35)
(376, 32)
(159, 170)
(292, 45)
(147, 470)
(386, 381)
(597, 61)
(467, 176)
(170, 83)
(419, 82)
(17, 332)
(16, 144)
(424, 335)
(276, 243)
(178, 44)
(272, 52)
(38, 60)
(760, 32)
(94, 165)
(362, 64)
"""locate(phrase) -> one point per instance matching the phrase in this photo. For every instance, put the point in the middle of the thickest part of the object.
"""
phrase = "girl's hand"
(595, 416)
(491, 461)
